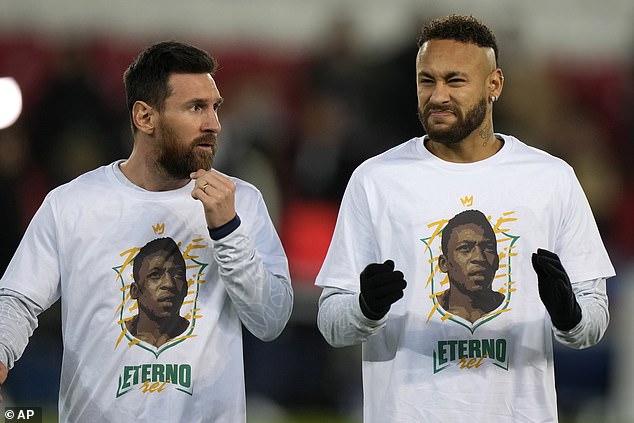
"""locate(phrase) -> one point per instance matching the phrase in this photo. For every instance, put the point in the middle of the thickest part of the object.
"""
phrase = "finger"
(213, 184)
(200, 184)
(4, 372)
(391, 298)
(197, 174)
(374, 269)
(545, 253)
(383, 278)
(553, 267)
(540, 264)
(388, 289)
(217, 182)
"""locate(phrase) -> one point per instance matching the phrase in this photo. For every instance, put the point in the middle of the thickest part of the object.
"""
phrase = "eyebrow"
(206, 101)
(448, 75)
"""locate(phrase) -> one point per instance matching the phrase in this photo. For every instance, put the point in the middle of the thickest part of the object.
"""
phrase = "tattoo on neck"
(485, 133)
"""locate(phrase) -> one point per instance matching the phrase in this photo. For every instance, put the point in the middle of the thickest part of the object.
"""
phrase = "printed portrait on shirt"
(159, 282)
(470, 260)
(470, 281)
(470, 284)
(159, 288)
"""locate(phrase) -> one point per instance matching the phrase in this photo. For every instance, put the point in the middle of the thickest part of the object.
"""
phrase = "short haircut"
(465, 29)
(146, 79)
(466, 217)
(159, 245)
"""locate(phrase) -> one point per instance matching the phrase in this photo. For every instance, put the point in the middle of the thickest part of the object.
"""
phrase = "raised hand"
(381, 286)
(217, 194)
(555, 290)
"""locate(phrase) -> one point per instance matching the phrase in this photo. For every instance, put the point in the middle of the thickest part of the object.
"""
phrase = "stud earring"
(493, 99)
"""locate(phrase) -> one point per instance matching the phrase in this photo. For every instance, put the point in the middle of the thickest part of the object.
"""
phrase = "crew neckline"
(120, 177)
(499, 155)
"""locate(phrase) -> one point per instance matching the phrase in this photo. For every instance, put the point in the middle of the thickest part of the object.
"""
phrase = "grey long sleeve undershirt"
(18, 320)
(263, 300)
(342, 323)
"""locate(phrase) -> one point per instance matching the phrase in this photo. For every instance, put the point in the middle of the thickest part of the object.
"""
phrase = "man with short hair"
(82, 243)
(384, 270)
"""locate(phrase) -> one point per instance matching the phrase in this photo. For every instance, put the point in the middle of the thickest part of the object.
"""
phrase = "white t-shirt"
(427, 364)
(81, 245)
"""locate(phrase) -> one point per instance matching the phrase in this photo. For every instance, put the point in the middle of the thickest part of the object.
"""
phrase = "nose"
(168, 282)
(478, 255)
(211, 122)
(439, 94)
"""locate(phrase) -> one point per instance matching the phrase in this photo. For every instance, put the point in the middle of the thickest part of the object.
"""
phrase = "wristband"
(224, 230)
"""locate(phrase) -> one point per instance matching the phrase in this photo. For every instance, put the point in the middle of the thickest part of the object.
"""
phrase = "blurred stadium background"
(312, 88)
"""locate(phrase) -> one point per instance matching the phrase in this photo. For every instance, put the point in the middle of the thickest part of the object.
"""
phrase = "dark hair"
(466, 217)
(146, 77)
(159, 245)
(465, 29)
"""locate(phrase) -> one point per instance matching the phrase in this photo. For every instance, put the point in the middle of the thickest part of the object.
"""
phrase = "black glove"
(555, 290)
(381, 286)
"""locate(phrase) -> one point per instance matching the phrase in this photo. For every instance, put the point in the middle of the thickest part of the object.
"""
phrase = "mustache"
(429, 108)
(206, 139)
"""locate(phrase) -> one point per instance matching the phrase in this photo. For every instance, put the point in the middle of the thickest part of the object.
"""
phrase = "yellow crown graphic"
(159, 228)
(467, 200)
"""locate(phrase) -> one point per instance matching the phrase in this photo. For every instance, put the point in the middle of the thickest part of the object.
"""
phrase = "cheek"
(423, 94)
(149, 289)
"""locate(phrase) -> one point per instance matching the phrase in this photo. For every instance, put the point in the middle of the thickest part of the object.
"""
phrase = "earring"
(493, 99)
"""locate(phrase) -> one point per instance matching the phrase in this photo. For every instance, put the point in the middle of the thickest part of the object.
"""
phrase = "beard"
(179, 160)
(465, 125)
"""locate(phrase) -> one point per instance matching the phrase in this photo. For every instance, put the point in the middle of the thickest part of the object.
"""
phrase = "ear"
(143, 117)
(134, 290)
(442, 263)
(496, 83)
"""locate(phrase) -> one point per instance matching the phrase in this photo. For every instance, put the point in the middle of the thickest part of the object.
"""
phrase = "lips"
(168, 295)
(206, 145)
(206, 148)
(207, 139)
(166, 299)
(479, 273)
(441, 113)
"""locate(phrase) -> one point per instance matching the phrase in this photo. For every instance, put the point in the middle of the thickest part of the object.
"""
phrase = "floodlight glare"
(10, 101)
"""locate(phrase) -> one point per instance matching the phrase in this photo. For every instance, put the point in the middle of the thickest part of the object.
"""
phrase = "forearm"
(18, 320)
(263, 300)
(593, 300)
(341, 321)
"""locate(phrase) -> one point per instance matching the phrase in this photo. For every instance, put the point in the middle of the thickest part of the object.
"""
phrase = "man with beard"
(419, 363)
(82, 241)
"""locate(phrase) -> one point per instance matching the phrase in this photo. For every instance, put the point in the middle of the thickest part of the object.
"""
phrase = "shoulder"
(88, 184)
(247, 194)
(245, 189)
(394, 157)
(522, 154)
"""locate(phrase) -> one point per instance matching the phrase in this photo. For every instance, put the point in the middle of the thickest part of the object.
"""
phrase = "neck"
(473, 303)
(153, 332)
(465, 306)
(479, 145)
(146, 174)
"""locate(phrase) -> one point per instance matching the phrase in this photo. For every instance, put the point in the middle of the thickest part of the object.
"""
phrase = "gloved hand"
(555, 290)
(381, 286)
